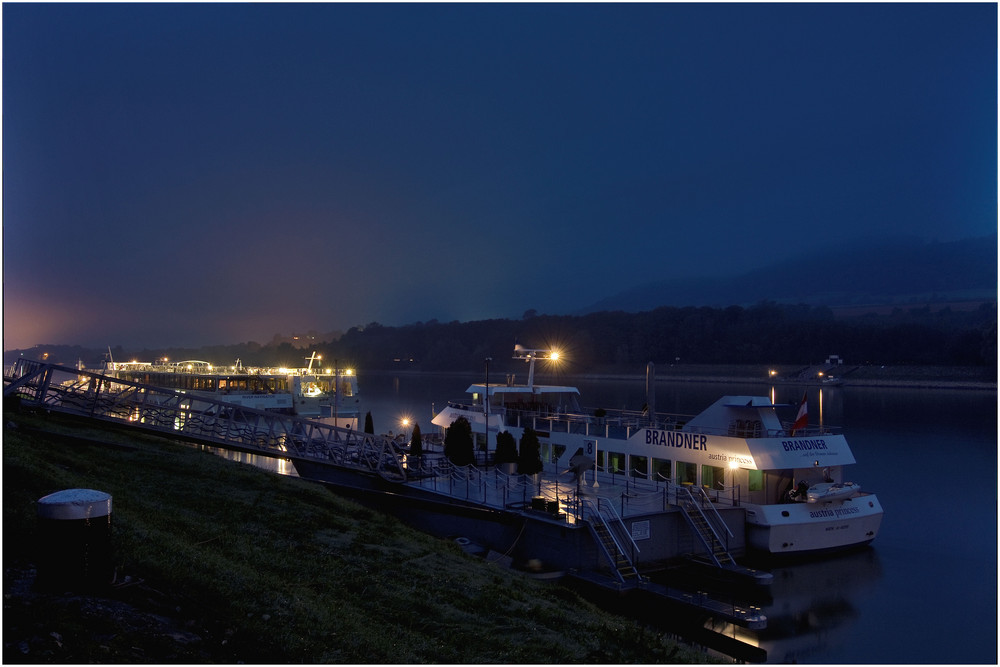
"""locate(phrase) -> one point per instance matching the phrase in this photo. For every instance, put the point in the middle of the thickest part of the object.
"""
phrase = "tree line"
(766, 333)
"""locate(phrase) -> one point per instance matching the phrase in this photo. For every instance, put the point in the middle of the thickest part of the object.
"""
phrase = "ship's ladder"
(611, 534)
(708, 526)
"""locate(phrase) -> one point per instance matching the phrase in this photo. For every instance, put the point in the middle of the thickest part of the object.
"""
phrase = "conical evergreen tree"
(458, 442)
(416, 442)
(506, 449)
(529, 461)
(369, 424)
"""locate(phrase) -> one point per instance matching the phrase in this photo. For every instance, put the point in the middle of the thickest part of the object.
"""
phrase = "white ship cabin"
(736, 446)
(542, 401)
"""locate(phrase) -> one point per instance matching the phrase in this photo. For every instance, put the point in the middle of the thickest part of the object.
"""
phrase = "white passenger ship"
(738, 450)
(330, 394)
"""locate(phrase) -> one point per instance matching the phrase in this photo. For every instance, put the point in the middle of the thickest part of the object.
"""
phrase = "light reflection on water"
(815, 605)
(269, 463)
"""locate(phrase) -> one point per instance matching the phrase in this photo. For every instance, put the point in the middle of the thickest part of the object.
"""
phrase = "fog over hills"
(888, 271)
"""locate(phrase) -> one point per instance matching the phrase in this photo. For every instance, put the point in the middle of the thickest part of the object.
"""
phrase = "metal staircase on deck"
(604, 523)
(706, 526)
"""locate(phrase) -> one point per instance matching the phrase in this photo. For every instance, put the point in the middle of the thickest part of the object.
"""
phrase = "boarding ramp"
(197, 418)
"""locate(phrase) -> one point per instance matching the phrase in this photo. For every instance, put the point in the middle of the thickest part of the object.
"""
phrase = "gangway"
(200, 419)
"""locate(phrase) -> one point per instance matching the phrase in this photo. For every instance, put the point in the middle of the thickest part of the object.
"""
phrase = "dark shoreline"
(922, 377)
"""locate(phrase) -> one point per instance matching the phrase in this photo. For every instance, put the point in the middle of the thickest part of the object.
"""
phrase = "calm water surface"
(925, 592)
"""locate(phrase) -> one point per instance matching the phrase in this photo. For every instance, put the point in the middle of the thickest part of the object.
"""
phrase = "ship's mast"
(530, 356)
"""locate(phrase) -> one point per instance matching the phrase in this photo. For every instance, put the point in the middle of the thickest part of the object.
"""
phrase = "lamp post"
(486, 411)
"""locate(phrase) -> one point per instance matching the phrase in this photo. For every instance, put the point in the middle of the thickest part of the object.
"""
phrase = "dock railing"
(199, 418)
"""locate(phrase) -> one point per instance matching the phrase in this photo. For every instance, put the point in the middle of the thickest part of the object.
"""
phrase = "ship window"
(616, 462)
(687, 473)
(712, 477)
(600, 460)
(661, 469)
(639, 466)
(756, 482)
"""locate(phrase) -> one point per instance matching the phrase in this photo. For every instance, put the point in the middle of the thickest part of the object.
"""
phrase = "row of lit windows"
(256, 385)
(681, 472)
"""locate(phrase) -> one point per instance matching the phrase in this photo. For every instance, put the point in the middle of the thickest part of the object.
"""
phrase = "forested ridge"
(766, 333)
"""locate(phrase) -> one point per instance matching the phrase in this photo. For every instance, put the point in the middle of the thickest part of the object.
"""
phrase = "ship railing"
(618, 424)
(615, 424)
(784, 432)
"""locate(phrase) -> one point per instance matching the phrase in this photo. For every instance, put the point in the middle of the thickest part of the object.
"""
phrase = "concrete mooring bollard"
(74, 546)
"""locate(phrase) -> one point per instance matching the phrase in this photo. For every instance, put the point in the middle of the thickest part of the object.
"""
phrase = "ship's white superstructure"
(738, 450)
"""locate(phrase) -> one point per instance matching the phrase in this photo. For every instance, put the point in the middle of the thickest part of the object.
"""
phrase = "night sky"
(188, 174)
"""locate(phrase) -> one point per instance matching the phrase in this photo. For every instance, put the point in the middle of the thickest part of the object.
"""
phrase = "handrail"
(204, 418)
(603, 502)
(597, 512)
(708, 523)
(628, 419)
(715, 511)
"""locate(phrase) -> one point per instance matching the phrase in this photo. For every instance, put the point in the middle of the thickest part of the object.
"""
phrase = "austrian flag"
(801, 419)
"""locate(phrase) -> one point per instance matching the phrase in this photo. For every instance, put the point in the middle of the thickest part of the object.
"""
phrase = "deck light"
(733, 465)
(554, 355)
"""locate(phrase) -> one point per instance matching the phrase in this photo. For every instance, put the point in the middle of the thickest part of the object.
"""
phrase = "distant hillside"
(900, 271)
(765, 333)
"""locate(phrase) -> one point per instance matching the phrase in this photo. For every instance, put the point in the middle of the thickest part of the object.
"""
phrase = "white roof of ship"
(810, 447)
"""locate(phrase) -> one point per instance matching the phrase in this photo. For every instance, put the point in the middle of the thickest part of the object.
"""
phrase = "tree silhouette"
(369, 424)
(530, 461)
(416, 442)
(458, 442)
(506, 449)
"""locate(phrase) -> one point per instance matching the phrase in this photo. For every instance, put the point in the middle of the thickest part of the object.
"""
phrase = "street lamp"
(486, 411)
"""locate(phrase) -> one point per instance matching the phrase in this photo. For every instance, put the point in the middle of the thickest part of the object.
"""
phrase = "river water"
(925, 592)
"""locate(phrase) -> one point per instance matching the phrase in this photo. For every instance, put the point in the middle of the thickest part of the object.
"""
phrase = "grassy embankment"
(228, 563)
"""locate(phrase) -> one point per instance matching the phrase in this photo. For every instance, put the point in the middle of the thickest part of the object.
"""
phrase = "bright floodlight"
(554, 355)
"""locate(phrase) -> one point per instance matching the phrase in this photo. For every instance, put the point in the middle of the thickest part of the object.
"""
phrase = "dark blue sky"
(185, 174)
